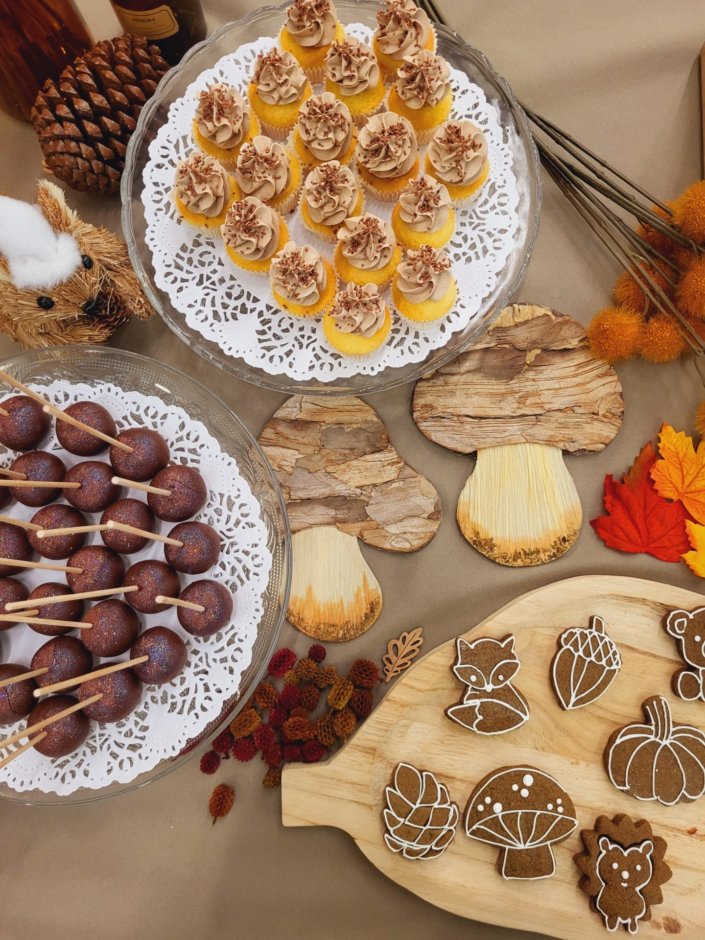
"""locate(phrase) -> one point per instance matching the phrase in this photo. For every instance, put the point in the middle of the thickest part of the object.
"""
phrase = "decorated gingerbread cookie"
(657, 759)
(622, 870)
(419, 816)
(523, 812)
(585, 665)
(491, 704)
(687, 627)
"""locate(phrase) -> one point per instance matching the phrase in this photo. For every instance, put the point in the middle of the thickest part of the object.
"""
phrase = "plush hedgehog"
(61, 279)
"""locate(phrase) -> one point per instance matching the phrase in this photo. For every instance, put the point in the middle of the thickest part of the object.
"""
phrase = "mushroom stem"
(536, 862)
(520, 507)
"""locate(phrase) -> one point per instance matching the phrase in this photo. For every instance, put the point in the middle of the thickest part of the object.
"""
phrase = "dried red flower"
(265, 695)
(297, 729)
(313, 751)
(344, 723)
(264, 737)
(325, 677)
(273, 778)
(281, 662)
(277, 717)
(223, 743)
(292, 753)
(221, 801)
(272, 755)
(245, 723)
(340, 694)
(361, 703)
(289, 697)
(364, 673)
(317, 652)
(305, 670)
(244, 749)
(309, 697)
(210, 762)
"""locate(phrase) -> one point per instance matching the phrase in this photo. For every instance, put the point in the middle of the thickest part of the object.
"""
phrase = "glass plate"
(94, 365)
(268, 21)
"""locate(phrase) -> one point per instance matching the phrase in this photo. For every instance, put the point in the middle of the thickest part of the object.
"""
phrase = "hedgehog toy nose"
(90, 308)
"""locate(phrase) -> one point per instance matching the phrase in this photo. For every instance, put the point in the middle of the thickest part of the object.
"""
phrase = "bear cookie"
(687, 627)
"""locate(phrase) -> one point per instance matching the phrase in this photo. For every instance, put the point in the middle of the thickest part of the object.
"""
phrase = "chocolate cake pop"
(38, 465)
(187, 493)
(149, 456)
(25, 424)
(64, 610)
(115, 628)
(66, 734)
(129, 512)
(65, 657)
(200, 549)
(218, 603)
(5, 497)
(152, 578)
(15, 700)
(97, 491)
(11, 590)
(57, 516)
(121, 692)
(167, 655)
(13, 544)
(79, 442)
(101, 568)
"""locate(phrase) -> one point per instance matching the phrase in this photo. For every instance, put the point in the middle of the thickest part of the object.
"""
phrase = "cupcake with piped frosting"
(203, 192)
(223, 123)
(424, 214)
(277, 90)
(387, 155)
(253, 233)
(359, 321)
(353, 75)
(421, 93)
(402, 30)
(271, 172)
(324, 131)
(367, 251)
(457, 157)
(303, 282)
(310, 28)
(330, 195)
(423, 288)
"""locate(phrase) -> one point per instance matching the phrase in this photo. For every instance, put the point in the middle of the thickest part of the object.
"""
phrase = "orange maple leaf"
(695, 560)
(680, 473)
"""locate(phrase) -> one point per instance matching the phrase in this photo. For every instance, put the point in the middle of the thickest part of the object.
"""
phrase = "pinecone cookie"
(85, 118)
(419, 817)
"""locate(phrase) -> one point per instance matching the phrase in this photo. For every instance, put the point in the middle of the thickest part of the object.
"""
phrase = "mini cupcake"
(330, 196)
(359, 322)
(387, 155)
(402, 29)
(253, 233)
(310, 28)
(367, 251)
(424, 214)
(352, 74)
(457, 156)
(303, 283)
(424, 289)
(324, 131)
(277, 91)
(422, 93)
(223, 123)
(271, 172)
(203, 192)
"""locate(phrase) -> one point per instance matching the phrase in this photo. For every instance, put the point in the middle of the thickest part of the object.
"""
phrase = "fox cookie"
(622, 870)
(491, 704)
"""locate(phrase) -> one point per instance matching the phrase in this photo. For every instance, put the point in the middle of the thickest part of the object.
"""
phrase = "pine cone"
(85, 118)
(420, 817)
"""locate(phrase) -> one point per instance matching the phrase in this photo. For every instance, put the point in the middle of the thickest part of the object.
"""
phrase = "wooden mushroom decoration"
(342, 481)
(529, 390)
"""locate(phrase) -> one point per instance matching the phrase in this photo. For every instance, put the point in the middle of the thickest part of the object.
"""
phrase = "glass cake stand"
(267, 21)
(95, 366)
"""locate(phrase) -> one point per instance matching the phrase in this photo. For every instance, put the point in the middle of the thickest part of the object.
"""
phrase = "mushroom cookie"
(622, 870)
(526, 392)
(419, 815)
(523, 812)
(491, 704)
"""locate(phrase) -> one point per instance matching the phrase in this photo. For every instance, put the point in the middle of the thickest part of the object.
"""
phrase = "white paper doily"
(234, 308)
(170, 715)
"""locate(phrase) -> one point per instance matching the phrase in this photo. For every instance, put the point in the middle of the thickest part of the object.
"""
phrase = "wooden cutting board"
(409, 725)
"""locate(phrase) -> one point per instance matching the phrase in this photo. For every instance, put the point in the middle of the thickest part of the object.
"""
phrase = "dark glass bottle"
(174, 26)
(38, 38)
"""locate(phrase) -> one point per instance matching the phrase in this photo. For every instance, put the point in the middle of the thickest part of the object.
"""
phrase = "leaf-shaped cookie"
(401, 652)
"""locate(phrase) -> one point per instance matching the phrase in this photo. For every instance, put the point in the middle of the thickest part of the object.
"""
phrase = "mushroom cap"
(519, 808)
(530, 378)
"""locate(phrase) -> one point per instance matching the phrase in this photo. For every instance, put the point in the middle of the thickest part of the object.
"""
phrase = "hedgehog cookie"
(419, 815)
(523, 812)
(622, 870)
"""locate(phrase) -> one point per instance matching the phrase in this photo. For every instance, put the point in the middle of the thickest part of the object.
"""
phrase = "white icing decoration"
(488, 799)
(615, 865)
(524, 792)
(598, 650)
(515, 787)
(549, 806)
(528, 780)
(497, 808)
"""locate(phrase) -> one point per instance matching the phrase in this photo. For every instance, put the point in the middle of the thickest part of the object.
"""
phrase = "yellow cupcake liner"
(327, 232)
(325, 301)
(309, 161)
(354, 344)
(461, 195)
(363, 105)
(427, 312)
(259, 265)
(389, 65)
(352, 275)
(226, 158)
(387, 189)
(286, 201)
(204, 223)
(425, 120)
(410, 238)
(277, 119)
(311, 59)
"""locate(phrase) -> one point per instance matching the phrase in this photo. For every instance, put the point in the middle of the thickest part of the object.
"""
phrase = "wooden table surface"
(623, 77)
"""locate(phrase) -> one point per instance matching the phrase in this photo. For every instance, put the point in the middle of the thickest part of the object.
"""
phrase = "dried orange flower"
(324, 730)
(364, 673)
(614, 333)
(309, 697)
(689, 211)
(325, 677)
(299, 712)
(305, 669)
(290, 678)
(628, 293)
(700, 419)
(691, 290)
(221, 801)
(344, 723)
(265, 695)
(298, 729)
(273, 778)
(661, 339)
(245, 723)
(340, 694)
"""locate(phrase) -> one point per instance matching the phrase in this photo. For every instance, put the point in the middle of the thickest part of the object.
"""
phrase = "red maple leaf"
(638, 519)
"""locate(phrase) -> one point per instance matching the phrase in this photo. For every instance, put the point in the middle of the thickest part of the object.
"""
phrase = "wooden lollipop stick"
(13, 474)
(87, 676)
(61, 415)
(42, 622)
(20, 750)
(177, 602)
(15, 619)
(40, 725)
(143, 487)
(10, 520)
(4, 413)
(60, 598)
(41, 565)
(44, 484)
(133, 530)
(23, 676)
(69, 530)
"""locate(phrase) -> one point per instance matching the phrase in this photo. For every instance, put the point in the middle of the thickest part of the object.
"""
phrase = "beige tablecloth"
(149, 866)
